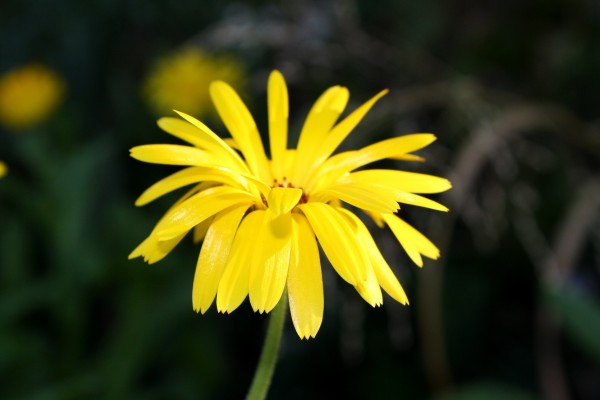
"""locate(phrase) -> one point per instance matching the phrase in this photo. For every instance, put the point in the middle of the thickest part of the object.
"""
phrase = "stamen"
(285, 184)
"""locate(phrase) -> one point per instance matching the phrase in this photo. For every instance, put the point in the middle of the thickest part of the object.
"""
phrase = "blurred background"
(510, 311)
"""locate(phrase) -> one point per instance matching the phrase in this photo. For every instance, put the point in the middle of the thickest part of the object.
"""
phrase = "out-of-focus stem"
(515, 121)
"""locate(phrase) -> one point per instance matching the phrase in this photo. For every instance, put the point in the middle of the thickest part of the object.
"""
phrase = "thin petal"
(369, 288)
(366, 197)
(278, 121)
(270, 261)
(408, 157)
(377, 218)
(162, 248)
(213, 257)
(172, 154)
(242, 127)
(330, 172)
(190, 133)
(401, 180)
(338, 241)
(219, 143)
(199, 207)
(342, 163)
(321, 118)
(389, 282)
(140, 249)
(393, 147)
(413, 241)
(234, 284)
(183, 178)
(282, 200)
(343, 129)
(416, 200)
(304, 280)
(201, 229)
(383, 272)
(154, 250)
(232, 143)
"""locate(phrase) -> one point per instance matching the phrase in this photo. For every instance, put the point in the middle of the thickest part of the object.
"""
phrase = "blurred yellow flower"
(28, 95)
(262, 219)
(3, 169)
(180, 81)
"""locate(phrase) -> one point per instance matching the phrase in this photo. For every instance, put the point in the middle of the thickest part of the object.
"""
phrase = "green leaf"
(580, 316)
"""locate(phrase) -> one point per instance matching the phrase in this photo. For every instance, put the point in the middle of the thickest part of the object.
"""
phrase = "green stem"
(268, 357)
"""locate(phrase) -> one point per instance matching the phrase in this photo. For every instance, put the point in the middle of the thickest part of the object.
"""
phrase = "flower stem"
(268, 357)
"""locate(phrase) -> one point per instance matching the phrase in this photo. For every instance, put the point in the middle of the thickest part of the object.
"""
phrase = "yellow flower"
(181, 80)
(28, 95)
(3, 169)
(262, 219)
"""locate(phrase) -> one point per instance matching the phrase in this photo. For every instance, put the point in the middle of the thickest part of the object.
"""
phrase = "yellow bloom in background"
(262, 220)
(28, 95)
(181, 80)
(3, 169)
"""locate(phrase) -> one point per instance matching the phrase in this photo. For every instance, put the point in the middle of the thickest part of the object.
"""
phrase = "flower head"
(28, 95)
(262, 220)
(3, 169)
(181, 80)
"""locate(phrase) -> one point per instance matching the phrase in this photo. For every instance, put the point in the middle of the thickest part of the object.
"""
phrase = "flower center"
(286, 184)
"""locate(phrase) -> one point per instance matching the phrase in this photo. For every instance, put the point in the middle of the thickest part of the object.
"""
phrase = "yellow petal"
(231, 143)
(343, 129)
(257, 184)
(321, 118)
(389, 282)
(282, 200)
(376, 217)
(366, 197)
(188, 132)
(304, 280)
(162, 248)
(413, 241)
(278, 121)
(408, 157)
(289, 162)
(404, 181)
(329, 172)
(201, 229)
(140, 249)
(270, 261)
(199, 207)
(338, 241)
(242, 127)
(383, 272)
(219, 143)
(369, 288)
(234, 284)
(171, 154)
(393, 147)
(186, 177)
(154, 250)
(342, 163)
(416, 200)
(213, 257)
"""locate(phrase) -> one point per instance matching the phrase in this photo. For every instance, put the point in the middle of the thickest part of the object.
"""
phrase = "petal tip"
(140, 202)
